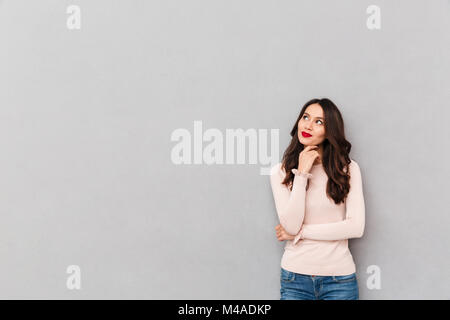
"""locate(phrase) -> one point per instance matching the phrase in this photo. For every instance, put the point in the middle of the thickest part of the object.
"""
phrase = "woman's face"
(312, 122)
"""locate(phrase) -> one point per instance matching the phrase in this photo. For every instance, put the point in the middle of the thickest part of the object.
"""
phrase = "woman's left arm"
(352, 226)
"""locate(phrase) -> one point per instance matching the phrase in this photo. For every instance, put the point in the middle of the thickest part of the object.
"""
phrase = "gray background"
(86, 117)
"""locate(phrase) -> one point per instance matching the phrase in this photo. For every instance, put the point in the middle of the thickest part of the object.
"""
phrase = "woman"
(320, 206)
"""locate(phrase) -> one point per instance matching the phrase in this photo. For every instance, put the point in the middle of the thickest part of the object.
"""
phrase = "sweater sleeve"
(352, 226)
(290, 205)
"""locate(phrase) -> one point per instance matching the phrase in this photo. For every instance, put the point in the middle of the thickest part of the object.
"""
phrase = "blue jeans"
(297, 286)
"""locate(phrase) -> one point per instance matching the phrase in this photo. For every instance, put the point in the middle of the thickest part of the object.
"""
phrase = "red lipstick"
(306, 135)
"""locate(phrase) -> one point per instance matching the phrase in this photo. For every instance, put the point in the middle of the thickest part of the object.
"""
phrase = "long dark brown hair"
(336, 149)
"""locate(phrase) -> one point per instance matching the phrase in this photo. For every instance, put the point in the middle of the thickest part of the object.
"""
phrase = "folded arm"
(352, 226)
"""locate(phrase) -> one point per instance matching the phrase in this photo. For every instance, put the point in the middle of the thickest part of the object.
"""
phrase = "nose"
(308, 125)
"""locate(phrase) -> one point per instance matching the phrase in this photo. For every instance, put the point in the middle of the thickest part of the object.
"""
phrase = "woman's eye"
(321, 122)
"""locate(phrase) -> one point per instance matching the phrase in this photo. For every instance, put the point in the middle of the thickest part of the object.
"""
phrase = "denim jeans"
(297, 286)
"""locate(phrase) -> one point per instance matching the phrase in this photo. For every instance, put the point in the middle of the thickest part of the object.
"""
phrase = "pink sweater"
(322, 228)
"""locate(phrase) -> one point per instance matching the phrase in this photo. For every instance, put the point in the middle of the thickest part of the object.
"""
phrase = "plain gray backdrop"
(86, 117)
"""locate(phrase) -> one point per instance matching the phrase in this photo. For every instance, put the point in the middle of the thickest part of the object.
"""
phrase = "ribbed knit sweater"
(321, 227)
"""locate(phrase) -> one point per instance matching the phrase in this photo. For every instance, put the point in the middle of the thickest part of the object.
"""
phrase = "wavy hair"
(335, 156)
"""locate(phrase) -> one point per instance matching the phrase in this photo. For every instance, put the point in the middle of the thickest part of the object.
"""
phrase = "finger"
(312, 151)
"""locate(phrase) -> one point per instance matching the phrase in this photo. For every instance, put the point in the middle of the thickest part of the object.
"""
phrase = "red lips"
(306, 135)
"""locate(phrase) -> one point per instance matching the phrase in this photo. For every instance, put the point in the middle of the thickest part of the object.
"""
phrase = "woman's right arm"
(290, 205)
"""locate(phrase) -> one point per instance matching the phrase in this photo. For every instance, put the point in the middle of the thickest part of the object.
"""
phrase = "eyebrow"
(316, 117)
